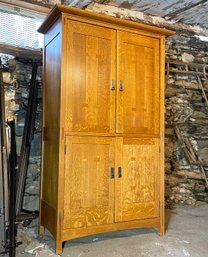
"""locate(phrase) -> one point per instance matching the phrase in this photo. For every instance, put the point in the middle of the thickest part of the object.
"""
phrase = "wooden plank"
(141, 135)
(184, 68)
(188, 63)
(21, 52)
(48, 217)
(35, 8)
(80, 232)
(186, 72)
(191, 153)
(202, 89)
(161, 177)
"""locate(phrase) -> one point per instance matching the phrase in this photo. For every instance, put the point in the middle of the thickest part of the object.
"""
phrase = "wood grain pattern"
(50, 193)
(137, 191)
(162, 133)
(51, 122)
(90, 69)
(50, 146)
(89, 190)
(49, 217)
(80, 232)
(125, 135)
(138, 69)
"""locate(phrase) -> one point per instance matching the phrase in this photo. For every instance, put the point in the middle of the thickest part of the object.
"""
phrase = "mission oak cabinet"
(103, 125)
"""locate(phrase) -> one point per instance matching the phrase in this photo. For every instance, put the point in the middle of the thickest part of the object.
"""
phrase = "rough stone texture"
(186, 109)
(146, 18)
(16, 100)
(78, 3)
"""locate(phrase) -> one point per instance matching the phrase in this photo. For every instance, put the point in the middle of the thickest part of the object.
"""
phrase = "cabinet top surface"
(108, 20)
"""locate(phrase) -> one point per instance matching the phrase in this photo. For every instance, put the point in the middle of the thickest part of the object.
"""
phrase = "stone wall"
(18, 77)
(186, 109)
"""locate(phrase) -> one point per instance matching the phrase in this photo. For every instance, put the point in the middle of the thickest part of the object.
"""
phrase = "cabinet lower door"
(137, 181)
(89, 188)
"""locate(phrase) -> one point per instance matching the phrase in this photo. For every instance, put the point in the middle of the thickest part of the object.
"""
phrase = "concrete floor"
(186, 235)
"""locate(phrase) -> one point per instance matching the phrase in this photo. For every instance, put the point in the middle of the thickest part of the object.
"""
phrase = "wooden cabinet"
(103, 125)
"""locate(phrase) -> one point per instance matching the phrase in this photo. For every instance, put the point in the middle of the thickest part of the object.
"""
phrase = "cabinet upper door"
(89, 54)
(138, 180)
(138, 82)
(89, 185)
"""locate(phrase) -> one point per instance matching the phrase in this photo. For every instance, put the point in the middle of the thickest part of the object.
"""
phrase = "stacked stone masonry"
(186, 109)
(17, 76)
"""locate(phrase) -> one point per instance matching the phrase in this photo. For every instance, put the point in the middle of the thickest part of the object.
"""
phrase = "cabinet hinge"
(159, 149)
(65, 149)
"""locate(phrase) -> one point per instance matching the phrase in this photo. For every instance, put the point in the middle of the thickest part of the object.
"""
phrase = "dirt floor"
(186, 235)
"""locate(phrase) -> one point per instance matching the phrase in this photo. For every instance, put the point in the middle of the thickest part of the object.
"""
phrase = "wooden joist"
(39, 7)
(21, 52)
(186, 68)
(190, 153)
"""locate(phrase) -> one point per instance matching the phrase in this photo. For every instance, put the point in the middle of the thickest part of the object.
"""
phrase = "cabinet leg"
(41, 230)
(59, 247)
(161, 230)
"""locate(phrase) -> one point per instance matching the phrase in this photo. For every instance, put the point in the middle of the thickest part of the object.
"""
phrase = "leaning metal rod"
(2, 218)
(12, 180)
(4, 166)
(25, 147)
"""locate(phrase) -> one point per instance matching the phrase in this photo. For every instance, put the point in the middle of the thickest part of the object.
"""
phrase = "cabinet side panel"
(51, 118)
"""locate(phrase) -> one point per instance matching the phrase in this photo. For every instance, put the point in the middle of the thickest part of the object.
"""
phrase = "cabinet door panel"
(88, 74)
(138, 70)
(89, 189)
(137, 191)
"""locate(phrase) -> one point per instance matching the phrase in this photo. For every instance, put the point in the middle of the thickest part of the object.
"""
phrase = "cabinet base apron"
(68, 234)
(80, 232)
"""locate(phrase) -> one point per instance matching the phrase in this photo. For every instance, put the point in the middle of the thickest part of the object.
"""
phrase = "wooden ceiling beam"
(21, 52)
(186, 8)
(27, 6)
